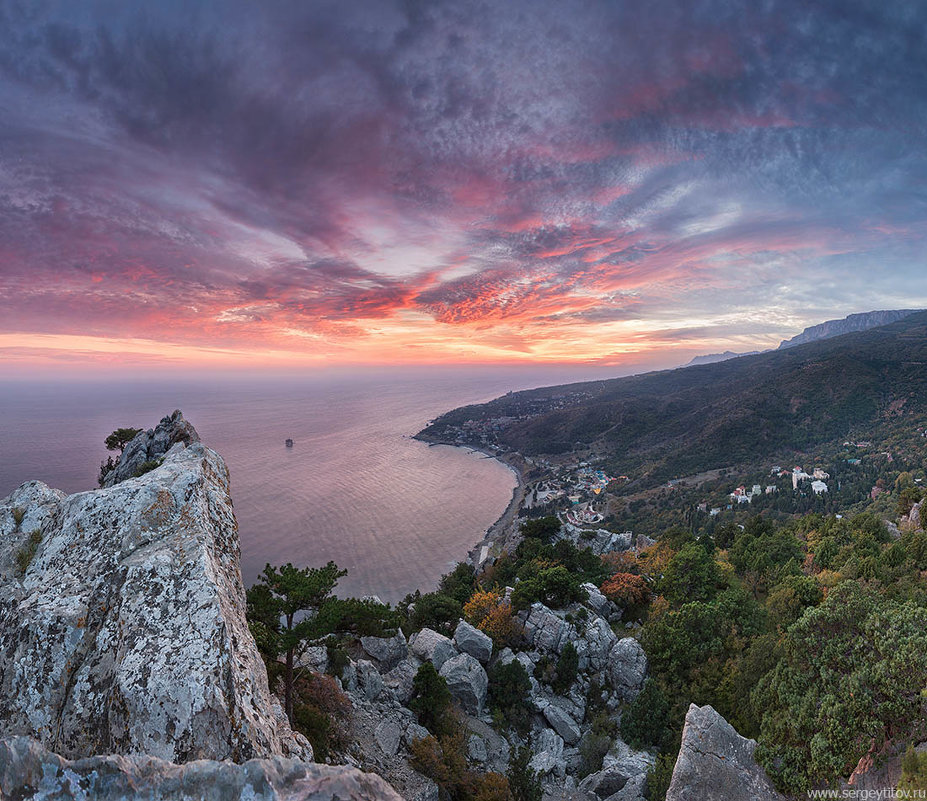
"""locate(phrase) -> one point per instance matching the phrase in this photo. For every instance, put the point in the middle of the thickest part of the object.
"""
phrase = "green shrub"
(524, 783)
(554, 587)
(542, 528)
(25, 555)
(510, 696)
(147, 466)
(659, 776)
(18, 515)
(436, 611)
(596, 743)
(338, 658)
(566, 670)
(645, 722)
(431, 699)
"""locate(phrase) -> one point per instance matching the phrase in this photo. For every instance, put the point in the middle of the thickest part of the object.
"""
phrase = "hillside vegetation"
(683, 421)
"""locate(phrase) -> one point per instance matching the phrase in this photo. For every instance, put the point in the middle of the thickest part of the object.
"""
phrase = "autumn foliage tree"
(626, 589)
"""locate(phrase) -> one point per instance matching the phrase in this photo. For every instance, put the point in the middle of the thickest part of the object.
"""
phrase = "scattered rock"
(433, 647)
(414, 732)
(476, 749)
(388, 736)
(715, 762)
(562, 723)
(27, 770)
(467, 682)
(627, 668)
(400, 680)
(471, 640)
(369, 679)
(548, 752)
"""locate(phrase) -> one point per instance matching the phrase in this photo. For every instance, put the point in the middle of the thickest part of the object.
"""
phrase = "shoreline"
(498, 531)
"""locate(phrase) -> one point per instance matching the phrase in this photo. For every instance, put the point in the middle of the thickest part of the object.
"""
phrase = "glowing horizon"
(535, 183)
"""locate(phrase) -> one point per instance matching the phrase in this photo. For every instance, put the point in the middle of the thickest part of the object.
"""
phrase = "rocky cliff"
(848, 325)
(715, 763)
(122, 625)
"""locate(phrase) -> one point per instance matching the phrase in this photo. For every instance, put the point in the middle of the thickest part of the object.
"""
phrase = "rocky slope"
(716, 764)
(27, 770)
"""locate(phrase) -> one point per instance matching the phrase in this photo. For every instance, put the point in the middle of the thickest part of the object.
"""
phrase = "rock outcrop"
(716, 763)
(122, 615)
(27, 770)
(149, 447)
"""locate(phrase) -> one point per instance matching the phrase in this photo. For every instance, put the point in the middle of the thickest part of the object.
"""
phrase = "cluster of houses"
(817, 477)
(576, 486)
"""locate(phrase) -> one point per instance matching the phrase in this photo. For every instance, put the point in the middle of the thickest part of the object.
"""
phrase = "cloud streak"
(468, 180)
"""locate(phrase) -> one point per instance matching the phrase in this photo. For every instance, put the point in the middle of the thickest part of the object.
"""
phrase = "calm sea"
(355, 488)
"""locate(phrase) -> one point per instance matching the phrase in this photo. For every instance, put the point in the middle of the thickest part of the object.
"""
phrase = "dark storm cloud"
(283, 164)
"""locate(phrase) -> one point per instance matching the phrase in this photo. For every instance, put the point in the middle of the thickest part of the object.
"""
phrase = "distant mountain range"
(679, 422)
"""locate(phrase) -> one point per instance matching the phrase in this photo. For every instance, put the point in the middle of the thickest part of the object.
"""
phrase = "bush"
(480, 604)
(566, 670)
(596, 743)
(542, 528)
(431, 700)
(554, 587)
(626, 590)
(319, 709)
(510, 696)
(502, 627)
(18, 515)
(436, 611)
(659, 776)
(524, 783)
(25, 555)
(147, 466)
(645, 723)
(459, 584)
(913, 782)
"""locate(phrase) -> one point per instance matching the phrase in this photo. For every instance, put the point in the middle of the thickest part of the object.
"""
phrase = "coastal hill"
(683, 421)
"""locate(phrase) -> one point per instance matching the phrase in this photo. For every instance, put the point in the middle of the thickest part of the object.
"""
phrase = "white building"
(798, 475)
(819, 474)
(818, 487)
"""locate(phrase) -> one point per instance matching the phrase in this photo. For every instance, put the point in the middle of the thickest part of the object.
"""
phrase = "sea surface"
(355, 488)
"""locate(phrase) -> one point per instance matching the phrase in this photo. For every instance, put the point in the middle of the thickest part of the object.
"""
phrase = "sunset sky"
(336, 183)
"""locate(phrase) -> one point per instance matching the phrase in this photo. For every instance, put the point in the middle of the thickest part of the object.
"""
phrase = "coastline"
(498, 533)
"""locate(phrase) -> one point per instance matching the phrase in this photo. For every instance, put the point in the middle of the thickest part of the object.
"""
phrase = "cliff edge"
(122, 615)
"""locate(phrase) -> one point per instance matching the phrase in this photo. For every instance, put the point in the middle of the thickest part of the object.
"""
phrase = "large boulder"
(27, 770)
(595, 644)
(387, 651)
(149, 447)
(470, 640)
(544, 630)
(429, 646)
(627, 668)
(467, 682)
(400, 680)
(122, 622)
(715, 763)
(562, 723)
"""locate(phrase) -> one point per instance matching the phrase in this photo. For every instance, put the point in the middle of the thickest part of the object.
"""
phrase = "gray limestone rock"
(476, 749)
(548, 752)
(715, 763)
(387, 651)
(430, 646)
(562, 723)
(595, 644)
(369, 679)
(414, 732)
(388, 736)
(127, 632)
(597, 602)
(27, 770)
(544, 630)
(471, 640)
(400, 680)
(150, 446)
(467, 682)
(627, 668)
